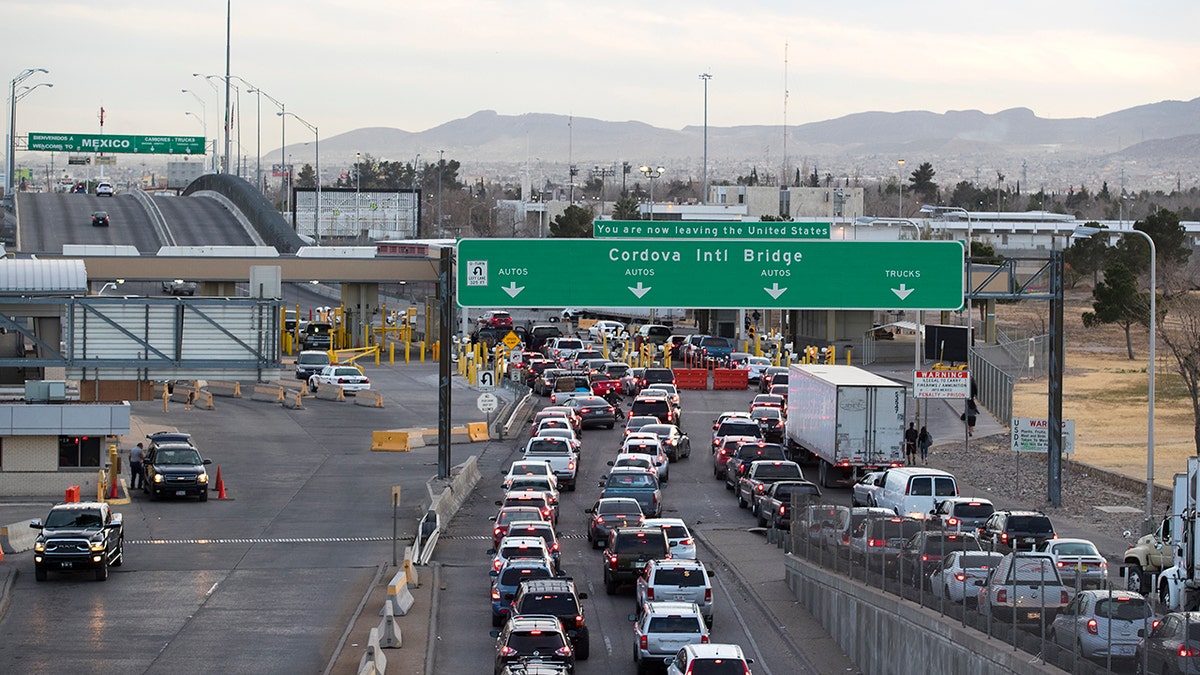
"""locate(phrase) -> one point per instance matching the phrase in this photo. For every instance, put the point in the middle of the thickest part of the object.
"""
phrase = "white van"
(914, 491)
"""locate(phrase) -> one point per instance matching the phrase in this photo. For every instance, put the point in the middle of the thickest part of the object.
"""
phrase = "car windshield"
(637, 462)
(520, 550)
(766, 413)
(676, 531)
(679, 577)
(951, 543)
(176, 457)
(555, 604)
(674, 624)
(589, 402)
(636, 423)
(568, 344)
(346, 372)
(1033, 569)
(547, 446)
(785, 470)
(658, 375)
(536, 641)
(891, 529)
(785, 492)
(632, 480)
(311, 358)
(718, 342)
(978, 562)
(619, 506)
(73, 518)
(642, 407)
(1129, 609)
(1030, 524)
(511, 576)
(528, 482)
(717, 667)
(973, 510)
(739, 428)
(531, 468)
(753, 452)
(627, 541)
(1076, 548)
(660, 430)
(521, 513)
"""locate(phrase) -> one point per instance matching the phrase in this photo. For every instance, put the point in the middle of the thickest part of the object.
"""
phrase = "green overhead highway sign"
(710, 273)
(702, 229)
(116, 143)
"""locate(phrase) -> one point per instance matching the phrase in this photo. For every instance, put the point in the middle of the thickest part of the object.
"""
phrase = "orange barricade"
(72, 494)
(691, 378)
(730, 378)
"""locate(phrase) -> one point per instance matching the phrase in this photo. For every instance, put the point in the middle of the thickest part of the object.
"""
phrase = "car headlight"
(39, 546)
(96, 545)
(158, 478)
(202, 478)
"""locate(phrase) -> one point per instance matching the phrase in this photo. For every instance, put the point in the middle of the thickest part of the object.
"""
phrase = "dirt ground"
(1105, 393)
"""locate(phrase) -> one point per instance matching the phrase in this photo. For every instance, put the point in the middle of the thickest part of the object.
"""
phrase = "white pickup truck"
(559, 454)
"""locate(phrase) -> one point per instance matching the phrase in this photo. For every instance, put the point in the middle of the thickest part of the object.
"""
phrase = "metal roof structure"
(33, 277)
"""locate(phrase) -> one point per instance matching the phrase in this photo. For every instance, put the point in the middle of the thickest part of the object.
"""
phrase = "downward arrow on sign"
(903, 291)
(775, 291)
(512, 289)
(640, 290)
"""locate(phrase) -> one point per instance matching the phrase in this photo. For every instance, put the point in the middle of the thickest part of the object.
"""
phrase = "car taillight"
(760, 488)
(1154, 624)
(1002, 595)
(1061, 564)
(1003, 536)
(496, 564)
(644, 642)
(579, 621)
(599, 520)
(565, 650)
(924, 558)
(612, 562)
(507, 651)
(650, 594)
(1092, 627)
(685, 542)
(708, 595)
(703, 639)
(584, 411)
(875, 542)
(495, 594)
(952, 521)
(960, 577)
(1185, 651)
(497, 532)
(571, 465)
(611, 409)
(1063, 597)
(366, 380)
(554, 548)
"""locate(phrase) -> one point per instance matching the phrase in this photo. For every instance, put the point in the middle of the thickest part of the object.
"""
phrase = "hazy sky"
(343, 65)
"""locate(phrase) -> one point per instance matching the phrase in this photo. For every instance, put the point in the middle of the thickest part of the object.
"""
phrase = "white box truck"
(847, 419)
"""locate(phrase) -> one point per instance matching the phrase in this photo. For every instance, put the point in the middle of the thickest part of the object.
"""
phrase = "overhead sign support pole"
(445, 311)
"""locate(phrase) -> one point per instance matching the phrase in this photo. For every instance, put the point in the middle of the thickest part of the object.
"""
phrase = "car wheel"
(204, 496)
(39, 572)
(497, 620)
(1135, 579)
(610, 586)
(762, 522)
(741, 502)
(102, 571)
(583, 648)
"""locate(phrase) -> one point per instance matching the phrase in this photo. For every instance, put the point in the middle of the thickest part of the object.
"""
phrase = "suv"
(1016, 530)
(104, 189)
(506, 581)
(678, 581)
(309, 363)
(739, 461)
(654, 406)
(653, 376)
(662, 629)
(556, 597)
(629, 551)
(962, 514)
(317, 335)
(540, 334)
(496, 318)
(78, 536)
(175, 469)
(535, 635)
(652, 333)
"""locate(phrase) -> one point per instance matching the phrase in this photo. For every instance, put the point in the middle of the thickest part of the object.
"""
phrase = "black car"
(770, 420)
(100, 219)
(609, 513)
(175, 470)
(770, 376)
(536, 636)
(593, 411)
(745, 453)
(318, 335)
(674, 442)
(76, 537)
(168, 438)
(653, 376)
(1016, 531)
(923, 554)
(556, 597)
(628, 551)
(654, 406)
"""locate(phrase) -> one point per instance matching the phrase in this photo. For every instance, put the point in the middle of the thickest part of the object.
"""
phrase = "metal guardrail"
(995, 387)
(156, 217)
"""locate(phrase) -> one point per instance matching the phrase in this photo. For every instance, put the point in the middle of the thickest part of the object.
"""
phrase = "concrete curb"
(337, 651)
(434, 603)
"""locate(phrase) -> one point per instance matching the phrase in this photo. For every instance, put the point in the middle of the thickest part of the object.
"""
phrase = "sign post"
(713, 273)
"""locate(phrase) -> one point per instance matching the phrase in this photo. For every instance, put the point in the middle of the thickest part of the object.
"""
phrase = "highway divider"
(370, 399)
(373, 661)
(730, 378)
(330, 392)
(691, 378)
(18, 536)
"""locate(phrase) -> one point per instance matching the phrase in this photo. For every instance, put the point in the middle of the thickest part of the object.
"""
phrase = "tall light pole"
(228, 87)
(704, 195)
(228, 33)
(1086, 231)
(317, 137)
(10, 165)
(204, 112)
(283, 161)
(900, 172)
(439, 189)
(250, 89)
(652, 175)
(357, 188)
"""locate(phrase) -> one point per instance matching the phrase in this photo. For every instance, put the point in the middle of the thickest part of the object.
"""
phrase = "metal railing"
(995, 387)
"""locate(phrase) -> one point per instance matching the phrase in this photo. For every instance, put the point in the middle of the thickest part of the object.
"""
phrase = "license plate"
(180, 493)
(1123, 650)
(67, 564)
(639, 565)
(1034, 615)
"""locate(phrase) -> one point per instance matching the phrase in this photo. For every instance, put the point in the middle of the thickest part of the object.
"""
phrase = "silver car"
(1077, 558)
(683, 545)
(663, 629)
(1096, 619)
(959, 571)
(676, 581)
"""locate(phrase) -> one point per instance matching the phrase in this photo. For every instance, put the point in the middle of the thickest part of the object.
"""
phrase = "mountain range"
(1151, 146)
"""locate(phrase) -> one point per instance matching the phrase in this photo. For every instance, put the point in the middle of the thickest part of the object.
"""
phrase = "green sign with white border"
(116, 144)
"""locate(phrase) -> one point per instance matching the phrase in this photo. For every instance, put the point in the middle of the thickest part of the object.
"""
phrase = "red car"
(605, 387)
(496, 318)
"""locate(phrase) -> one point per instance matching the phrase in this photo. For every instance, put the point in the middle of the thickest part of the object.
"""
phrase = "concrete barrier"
(294, 400)
(477, 431)
(416, 437)
(389, 630)
(204, 400)
(19, 536)
(226, 389)
(182, 393)
(269, 393)
(451, 499)
(330, 392)
(373, 661)
(410, 568)
(399, 598)
(390, 441)
(883, 634)
(370, 399)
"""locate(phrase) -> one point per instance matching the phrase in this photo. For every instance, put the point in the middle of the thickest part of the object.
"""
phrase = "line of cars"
(655, 555)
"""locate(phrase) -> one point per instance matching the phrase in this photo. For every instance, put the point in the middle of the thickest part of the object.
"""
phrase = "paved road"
(201, 221)
(49, 220)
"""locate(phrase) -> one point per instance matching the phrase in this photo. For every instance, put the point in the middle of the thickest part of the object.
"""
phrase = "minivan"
(914, 491)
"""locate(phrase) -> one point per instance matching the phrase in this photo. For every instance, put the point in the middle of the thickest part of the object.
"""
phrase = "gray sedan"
(674, 442)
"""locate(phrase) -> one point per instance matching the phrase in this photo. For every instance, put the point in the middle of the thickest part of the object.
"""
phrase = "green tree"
(626, 208)
(1117, 300)
(306, 177)
(1179, 329)
(1170, 244)
(1085, 257)
(574, 222)
(921, 182)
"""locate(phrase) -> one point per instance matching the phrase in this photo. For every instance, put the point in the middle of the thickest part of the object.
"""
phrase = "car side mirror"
(494, 633)
(1141, 632)
(35, 524)
(609, 463)
(583, 596)
(980, 582)
(499, 503)
(589, 510)
(492, 518)
(493, 573)
(669, 662)
(633, 617)
(712, 573)
(491, 551)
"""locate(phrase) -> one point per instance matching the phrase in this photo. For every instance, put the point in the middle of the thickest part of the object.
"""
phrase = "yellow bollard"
(436, 347)
(422, 344)
(391, 353)
(407, 351)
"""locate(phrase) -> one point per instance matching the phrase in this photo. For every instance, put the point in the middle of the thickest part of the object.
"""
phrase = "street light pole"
(204, 112)
(652, 175)
(357, 189)
(704, 195)
(317, 178)
(1086, 231)
(10, 165)
(900, 171)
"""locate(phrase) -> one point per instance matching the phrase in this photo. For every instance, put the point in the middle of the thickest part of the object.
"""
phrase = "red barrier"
(730, 378)
(691, 378)
(72, 495)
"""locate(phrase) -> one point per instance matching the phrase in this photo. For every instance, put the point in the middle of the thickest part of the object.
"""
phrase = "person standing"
(910, 443)
(971, 413)
(924, 440)
(136, 456)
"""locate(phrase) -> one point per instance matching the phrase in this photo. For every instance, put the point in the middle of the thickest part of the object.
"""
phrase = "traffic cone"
(112, 489)
(220, 484)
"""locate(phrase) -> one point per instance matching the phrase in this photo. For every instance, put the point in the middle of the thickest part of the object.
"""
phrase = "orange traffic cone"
(220, 484)
(112, 489)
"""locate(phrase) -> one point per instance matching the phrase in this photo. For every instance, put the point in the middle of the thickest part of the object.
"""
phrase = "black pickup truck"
(79, 536)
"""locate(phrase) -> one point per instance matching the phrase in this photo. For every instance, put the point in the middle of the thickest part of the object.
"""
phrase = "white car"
(609, 329)
(862, 494)
(757, 365)
(528, 467)
(104, 189)
(648, 444)
(349, 378)
(959, 571)
(683, 544)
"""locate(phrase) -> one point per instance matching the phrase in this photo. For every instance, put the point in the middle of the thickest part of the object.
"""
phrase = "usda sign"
(116, 143)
